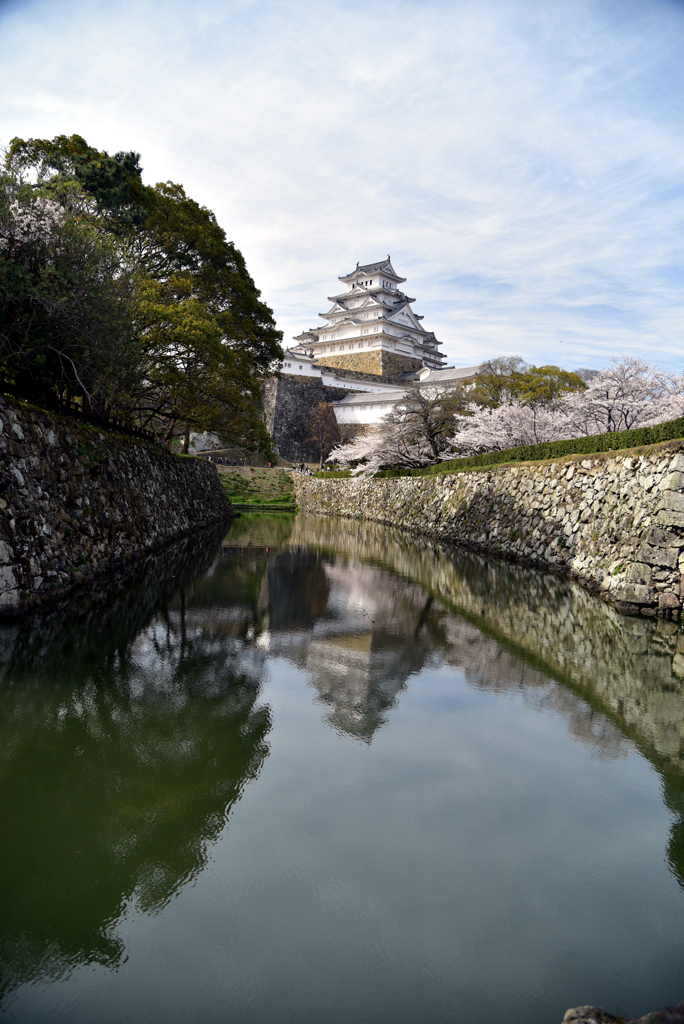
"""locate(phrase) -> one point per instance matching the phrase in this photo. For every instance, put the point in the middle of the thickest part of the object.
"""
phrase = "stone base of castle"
(376, 363)
(289, 404)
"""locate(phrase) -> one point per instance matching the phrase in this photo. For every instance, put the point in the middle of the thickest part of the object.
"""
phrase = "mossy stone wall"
(76, 501)
(614, 522)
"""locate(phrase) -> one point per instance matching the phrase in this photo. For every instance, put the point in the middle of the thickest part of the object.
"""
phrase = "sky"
(521, 160)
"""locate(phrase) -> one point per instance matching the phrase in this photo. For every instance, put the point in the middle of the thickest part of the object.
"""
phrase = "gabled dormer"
(405, 316)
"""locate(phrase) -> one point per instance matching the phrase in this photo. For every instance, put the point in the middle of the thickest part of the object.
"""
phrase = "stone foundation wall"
(614, 522)
(350, 431)
(76, 502)
(376, 362)
(289, 403)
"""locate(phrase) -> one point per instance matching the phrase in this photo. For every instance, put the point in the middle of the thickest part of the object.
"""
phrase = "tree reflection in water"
(130, 729)
(131, 723)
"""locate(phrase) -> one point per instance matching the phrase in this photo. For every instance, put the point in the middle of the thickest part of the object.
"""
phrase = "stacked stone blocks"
(614, 522)
(76, 502)
(376, 363)
(289, 404)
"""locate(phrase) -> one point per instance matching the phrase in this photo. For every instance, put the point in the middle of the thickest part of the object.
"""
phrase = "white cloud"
(521, 161)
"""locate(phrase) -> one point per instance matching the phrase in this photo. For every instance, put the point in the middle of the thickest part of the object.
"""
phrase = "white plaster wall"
(359, 414)
(300, 369)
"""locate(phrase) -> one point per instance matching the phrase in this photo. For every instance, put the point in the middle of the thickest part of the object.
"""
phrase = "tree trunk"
(186, 441)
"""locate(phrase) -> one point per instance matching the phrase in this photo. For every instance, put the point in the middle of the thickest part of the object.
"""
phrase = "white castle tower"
(371, 327)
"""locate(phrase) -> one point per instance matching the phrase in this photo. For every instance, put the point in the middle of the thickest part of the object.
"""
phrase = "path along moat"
(317, 770)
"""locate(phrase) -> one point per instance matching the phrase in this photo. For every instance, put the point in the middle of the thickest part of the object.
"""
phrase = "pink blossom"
(508, 426)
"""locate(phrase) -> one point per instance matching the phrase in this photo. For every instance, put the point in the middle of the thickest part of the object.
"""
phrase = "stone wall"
(614, 522)
(289, 402)
(76, 502)
(597, 1015)
(376, 362)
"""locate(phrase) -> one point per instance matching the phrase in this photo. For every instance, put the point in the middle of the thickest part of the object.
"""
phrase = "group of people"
(235, 462)
(301, 467)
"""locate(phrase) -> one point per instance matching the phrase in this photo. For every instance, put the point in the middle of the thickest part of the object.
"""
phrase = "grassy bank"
(255, 487)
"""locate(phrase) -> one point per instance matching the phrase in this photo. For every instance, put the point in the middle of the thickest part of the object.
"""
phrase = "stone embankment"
(289, 403)
(613, 521)
(76, 502)
(597, 1015)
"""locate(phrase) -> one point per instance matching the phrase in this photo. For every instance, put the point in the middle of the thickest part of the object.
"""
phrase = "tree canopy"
(126, 297)
(511, 379)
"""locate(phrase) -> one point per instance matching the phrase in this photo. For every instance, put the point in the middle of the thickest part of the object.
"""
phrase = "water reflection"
(634, 667)
(129, 729)
(621, 679)
(130, 720)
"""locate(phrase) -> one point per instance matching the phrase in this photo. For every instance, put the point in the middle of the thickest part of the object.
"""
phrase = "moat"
(317, 770)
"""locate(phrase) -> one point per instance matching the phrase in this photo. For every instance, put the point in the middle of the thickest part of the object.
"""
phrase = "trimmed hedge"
(672, 431)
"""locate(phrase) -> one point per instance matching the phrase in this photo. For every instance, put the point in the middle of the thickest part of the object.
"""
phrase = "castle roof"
(447, 375)
(451, 374)
(374, 305)
(384, 266)
(374, 398)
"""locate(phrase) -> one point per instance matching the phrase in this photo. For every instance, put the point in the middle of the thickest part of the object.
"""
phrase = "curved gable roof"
(383, 266)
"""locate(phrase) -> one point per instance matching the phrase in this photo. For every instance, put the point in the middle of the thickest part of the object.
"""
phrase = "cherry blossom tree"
(628, 393)
(427, 414)
(508, 426)
(416, 433)
(625, 394)
(387, 445)
(664, 409)
(36, 222)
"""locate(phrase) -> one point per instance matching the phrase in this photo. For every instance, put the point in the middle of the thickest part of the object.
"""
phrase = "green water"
(316, 770)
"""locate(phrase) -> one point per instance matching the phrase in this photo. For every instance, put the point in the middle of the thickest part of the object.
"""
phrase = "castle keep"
(371, 346)
(371, 327)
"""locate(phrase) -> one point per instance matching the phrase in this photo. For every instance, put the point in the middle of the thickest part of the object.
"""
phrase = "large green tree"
(203, 337)
(112, 185)
(511, 379)
(187, 264)
(66, 303)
